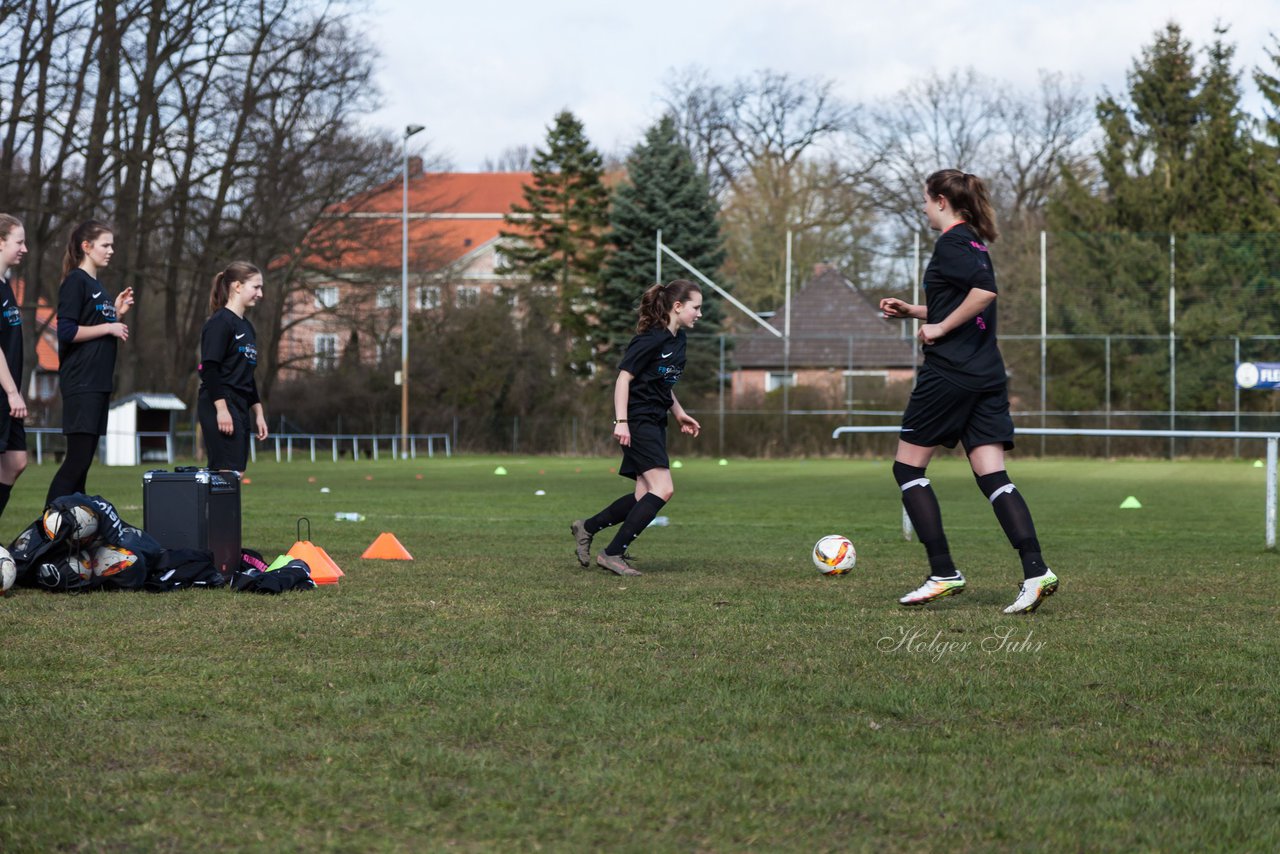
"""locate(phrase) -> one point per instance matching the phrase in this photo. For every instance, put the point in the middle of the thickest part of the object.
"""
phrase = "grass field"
(492, 695)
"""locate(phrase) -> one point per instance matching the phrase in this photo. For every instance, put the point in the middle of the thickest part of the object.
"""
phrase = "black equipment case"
(195, 508)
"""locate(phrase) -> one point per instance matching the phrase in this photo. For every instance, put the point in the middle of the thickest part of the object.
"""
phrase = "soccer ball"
(8, 570)
(834, 555)
(81, 563)
(85, 524)
(109, 560)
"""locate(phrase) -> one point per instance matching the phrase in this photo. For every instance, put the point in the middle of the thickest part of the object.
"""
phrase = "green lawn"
(492, 695)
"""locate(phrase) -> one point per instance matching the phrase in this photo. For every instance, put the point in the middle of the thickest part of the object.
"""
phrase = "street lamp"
(409, 131)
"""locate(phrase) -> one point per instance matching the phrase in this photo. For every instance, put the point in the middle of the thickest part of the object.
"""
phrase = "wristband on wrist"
(619, 421)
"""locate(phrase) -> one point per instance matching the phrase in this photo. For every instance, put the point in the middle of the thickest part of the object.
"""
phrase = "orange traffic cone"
(386, 547)
(323, 569)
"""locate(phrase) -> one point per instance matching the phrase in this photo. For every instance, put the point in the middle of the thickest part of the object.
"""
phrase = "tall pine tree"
(557, 239)
(1269, 85)
(1268, 82)
(1177, 160)
(664, 191)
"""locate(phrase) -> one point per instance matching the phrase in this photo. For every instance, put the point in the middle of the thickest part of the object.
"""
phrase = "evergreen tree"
(664, 191)
(557, 238)
(1178, 158)
(1269, 86)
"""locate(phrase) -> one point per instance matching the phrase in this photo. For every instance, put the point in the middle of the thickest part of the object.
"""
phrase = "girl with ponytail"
(228, 355)
(642, 396)
(961, 393)
(88, 329)
(13, 433)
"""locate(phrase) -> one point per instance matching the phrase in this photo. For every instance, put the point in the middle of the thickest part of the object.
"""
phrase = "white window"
(429, 297)
(466, 295)
(388, 296)
(326, 357)
(776, 380)
(327, 296)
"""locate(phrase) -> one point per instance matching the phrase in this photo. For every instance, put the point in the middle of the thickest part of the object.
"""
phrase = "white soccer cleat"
(934, 588)
(1033, 592)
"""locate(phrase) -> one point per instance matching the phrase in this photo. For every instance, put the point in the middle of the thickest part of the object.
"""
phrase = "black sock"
(1015, 518)
(637, 520)
(6, 489)
(614, 514)
(926, 517)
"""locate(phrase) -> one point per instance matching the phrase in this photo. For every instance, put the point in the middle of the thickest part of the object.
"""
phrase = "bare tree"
(700, 108)
(1041, 136)
(1018, 141)
(515, 158)
(767, 144)
(205, 132)
(769, 117)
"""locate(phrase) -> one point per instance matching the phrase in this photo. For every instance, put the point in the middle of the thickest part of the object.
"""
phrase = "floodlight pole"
(786, 352)
(409, 131)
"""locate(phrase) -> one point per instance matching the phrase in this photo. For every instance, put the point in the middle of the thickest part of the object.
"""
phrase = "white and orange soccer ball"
(8, 570)
(109, 560)
(834, 555)
(85, 521)
(82, 564)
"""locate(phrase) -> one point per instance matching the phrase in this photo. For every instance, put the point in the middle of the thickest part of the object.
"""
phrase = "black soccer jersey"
(655, 359)
(968, 356)
(11, 331)
(228, 356)
(87, 365)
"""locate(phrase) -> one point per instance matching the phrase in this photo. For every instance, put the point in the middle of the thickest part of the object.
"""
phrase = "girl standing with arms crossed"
(88, 328)
(643, 394)
(228, 356)
(13, 434)
(961, 392)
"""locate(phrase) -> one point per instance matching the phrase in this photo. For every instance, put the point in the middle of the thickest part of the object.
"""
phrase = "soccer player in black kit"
(13, 434)
(88, 328)
(228, 355)
(961, 392)
(642, 396)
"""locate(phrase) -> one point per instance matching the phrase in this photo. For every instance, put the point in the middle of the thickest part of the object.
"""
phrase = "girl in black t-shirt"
(88, 329)
(961, 392)
(13, 435)
(642, 396)
(228, 356)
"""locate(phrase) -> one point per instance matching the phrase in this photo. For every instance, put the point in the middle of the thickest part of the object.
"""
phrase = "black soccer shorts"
(941, 413)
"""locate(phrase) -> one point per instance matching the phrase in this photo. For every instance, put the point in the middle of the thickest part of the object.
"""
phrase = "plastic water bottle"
(661, 521)
(348, 517)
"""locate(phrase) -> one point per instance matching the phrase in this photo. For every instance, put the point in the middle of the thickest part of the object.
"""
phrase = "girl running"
(88, 329)
(228, 356)
(13, 435)
(961, 392)
(643, 394)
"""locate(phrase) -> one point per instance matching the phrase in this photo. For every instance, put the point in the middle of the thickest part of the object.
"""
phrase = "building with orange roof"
(42, 388)
(352, 261)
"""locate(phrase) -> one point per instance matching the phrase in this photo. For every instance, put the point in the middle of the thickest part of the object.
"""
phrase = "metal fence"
(50, 443)
(1098, 331)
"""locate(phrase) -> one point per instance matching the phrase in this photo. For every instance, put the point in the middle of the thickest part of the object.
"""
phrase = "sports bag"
(294, 575)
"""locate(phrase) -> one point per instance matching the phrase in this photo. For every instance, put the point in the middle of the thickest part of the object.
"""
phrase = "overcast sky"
(485, 76)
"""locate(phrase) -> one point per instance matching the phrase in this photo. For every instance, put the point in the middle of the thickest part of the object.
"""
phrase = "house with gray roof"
(838, 338)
